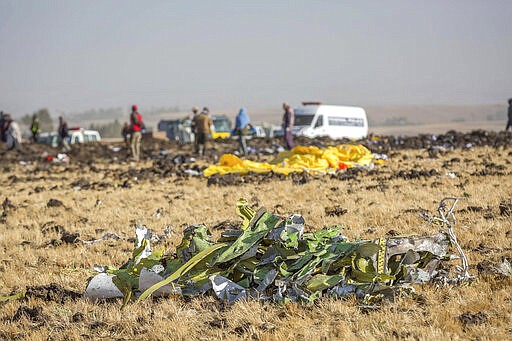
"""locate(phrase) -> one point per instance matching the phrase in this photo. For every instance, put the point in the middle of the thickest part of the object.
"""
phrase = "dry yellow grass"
(26, 260)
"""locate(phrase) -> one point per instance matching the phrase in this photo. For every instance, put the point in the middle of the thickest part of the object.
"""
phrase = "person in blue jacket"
(242, 124)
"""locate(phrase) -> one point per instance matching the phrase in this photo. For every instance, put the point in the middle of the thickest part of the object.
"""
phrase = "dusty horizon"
(72, 56)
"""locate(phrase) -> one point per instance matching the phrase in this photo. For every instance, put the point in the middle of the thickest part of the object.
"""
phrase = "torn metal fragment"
(102, 287)
(226, 289)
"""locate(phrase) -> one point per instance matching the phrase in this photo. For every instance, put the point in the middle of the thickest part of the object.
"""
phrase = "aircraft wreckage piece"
(271, 258)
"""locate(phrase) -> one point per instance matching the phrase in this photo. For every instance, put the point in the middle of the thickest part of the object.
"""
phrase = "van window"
(90, 137)
(319, 121)
(303, 120)
(346, 121)
(76, 139)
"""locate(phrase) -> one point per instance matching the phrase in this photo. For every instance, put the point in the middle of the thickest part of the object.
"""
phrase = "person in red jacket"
(136, 126)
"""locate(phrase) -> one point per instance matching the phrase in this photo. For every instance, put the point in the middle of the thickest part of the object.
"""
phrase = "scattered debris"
(32, 314)
(335, 211)
(270, 258)
(52, 293)
(505, 209)
(487, 267)
(54, 203)
(70, 238)
(78, 317)
(105, 237)
(469, 318)
(7, 204)
(51, 227)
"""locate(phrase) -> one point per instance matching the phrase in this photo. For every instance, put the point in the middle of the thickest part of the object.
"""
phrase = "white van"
(80, 135)
(334, 121)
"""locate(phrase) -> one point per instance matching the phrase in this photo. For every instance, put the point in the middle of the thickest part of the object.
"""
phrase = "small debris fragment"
(469, 318)
(54, 203)
(505, 209)
(70, 238)
(32, 314)
(335, 211)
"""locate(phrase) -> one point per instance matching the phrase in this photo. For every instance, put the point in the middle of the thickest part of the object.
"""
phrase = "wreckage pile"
(270, 258)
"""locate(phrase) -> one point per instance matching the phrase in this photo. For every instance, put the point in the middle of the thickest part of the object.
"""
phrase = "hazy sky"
(75, 55)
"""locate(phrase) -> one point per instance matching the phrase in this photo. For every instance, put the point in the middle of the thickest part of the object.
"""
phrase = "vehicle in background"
(258, 131)
(81, 135)
(49, 138)
(171, 128)
(253, 131)
(314, 119)
(221, 128)
(75, 135)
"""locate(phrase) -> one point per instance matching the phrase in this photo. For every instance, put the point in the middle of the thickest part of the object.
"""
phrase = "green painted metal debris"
(272, 258)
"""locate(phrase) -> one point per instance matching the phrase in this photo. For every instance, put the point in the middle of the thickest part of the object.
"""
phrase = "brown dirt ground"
(109, 196)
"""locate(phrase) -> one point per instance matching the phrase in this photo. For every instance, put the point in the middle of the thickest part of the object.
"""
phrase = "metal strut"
(447, 218)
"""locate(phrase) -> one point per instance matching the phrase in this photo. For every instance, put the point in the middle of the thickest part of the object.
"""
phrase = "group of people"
(201, 124)
(10, 132)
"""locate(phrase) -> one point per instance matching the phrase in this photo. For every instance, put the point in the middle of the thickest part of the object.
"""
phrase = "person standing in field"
(12, 133)
(195, 111)
(242, 123)
(125, 133)
(34, 128)
(288, 120)
(202, 124)
(63, 131)
(136, 132)
(509, 123)
(2, 123)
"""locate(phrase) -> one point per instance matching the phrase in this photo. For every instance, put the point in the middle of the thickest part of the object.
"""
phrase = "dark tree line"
(112, 129)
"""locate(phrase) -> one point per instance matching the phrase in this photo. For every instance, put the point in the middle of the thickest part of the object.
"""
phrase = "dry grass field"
(378, 203)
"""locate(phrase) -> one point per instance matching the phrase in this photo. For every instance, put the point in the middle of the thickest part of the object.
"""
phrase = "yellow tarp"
(299, 159)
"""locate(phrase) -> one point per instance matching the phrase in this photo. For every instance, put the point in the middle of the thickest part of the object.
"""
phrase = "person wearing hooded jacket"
(242, 123)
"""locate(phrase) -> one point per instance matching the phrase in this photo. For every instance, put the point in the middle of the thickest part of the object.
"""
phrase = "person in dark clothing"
(288, 120)
(509, 123)
(125, 132)
(2, 123)
(63, 131)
